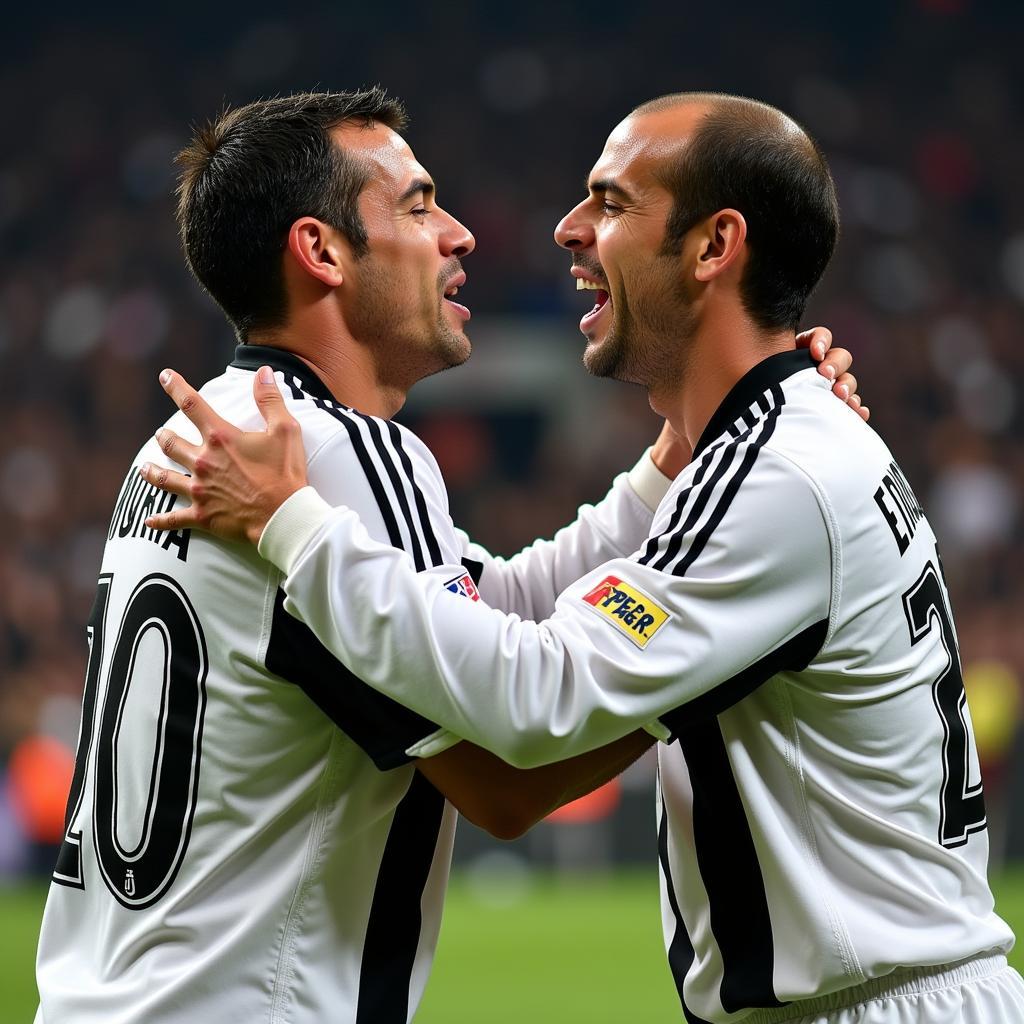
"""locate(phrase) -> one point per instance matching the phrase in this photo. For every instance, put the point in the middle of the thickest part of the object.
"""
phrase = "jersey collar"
(746, 391)
(252, 357)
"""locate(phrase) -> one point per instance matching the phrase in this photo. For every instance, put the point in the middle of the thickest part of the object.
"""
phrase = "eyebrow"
(606, 185)
(424, 185)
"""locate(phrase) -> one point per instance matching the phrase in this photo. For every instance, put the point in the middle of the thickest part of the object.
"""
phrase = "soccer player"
(247, 838)
(784, 630)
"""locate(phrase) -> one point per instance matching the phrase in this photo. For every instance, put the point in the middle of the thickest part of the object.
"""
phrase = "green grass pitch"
(580, 949)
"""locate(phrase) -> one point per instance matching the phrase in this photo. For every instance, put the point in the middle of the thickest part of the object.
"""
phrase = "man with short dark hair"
(784, 630)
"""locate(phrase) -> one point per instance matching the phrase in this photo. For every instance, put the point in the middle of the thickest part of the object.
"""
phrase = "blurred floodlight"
(74, 322)
(514, 80)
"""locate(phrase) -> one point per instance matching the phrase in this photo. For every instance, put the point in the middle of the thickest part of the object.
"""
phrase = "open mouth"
(601, 300)
(449, 296)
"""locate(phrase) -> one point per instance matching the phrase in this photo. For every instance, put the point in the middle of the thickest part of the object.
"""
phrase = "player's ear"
(720, 241)
(319, 250)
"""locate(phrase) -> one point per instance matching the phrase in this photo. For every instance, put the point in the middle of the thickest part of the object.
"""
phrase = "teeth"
(587, 286)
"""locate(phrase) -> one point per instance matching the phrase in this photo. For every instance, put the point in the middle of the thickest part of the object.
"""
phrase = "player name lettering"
(898, 504)
(138, 500)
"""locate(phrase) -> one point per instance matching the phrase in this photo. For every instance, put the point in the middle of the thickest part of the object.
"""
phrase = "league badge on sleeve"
(632, 612)
(463, 586)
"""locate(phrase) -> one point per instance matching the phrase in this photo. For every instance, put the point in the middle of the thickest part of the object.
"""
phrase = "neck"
(346, 366)
(724, 349)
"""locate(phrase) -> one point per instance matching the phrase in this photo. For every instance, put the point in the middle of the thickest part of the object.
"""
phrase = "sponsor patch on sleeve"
(463, 586)
(632, 612)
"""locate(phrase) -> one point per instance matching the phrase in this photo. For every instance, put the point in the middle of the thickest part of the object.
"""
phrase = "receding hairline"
(739, 109)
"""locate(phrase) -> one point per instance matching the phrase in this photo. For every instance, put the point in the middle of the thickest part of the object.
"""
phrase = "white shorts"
(980, 991)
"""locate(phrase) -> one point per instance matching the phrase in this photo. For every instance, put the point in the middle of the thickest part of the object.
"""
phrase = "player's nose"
(574, 230)
(456, 239)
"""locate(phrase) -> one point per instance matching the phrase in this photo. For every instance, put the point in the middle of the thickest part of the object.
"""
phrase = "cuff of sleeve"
(435, 743)
(292, 527)
(659, 731)
(649, 483)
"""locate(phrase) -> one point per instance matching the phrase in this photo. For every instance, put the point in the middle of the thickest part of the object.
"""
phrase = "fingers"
(177, 449)
(176, 519)
(846, 387)
(167, 479)
(189, 401)
(835, 364)
(176, 483)
(817, 339)
(268, 398)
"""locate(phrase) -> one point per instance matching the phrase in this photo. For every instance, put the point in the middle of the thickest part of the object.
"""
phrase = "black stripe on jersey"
(474, 568)
(680, 949)
(388, 459)
(372, 476)
(746, 391)
(393, 930)
(731, 488)
(421, 505)
(675, 542)
(297, 375)
(723, 844)
(729, 868)
(303, 382)
(793, 656)
(383, 728)
(684, 496)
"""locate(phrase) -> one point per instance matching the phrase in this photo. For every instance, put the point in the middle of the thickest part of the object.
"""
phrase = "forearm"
(507, 801)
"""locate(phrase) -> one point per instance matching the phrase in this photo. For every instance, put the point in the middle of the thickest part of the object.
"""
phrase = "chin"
(603, 358)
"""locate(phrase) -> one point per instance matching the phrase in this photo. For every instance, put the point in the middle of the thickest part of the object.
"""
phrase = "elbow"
(509, 819)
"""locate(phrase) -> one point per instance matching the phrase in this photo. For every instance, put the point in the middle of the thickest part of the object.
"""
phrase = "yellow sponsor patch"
(629, 610)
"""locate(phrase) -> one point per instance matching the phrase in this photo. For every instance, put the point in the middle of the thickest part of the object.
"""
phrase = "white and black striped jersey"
(785, 631)
(247, 839)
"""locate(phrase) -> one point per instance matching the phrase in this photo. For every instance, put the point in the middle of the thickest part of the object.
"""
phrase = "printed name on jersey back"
(632, 612)
(463, 586)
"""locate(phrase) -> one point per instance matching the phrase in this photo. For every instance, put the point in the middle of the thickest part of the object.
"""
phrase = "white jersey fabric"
(785, 630)
(247, 840)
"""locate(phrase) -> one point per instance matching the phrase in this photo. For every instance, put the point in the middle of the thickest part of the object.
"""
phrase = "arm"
(507, 801)
(539, 692)
(533, 693)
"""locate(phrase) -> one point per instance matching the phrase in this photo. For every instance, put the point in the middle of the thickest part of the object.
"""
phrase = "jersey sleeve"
(529, 583)
(733, 586)
(364, 463)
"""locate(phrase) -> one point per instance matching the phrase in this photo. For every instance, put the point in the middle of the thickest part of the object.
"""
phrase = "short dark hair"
(753, 158)
(247, 176)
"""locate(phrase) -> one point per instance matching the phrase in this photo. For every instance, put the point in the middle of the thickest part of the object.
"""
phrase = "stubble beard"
(646, 348)
(409, 350)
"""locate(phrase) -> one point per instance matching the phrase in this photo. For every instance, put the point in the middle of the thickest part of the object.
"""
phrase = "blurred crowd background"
(917, 105)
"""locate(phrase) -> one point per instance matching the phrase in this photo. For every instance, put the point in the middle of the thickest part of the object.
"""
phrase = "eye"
(421, 211)
(610, 208)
